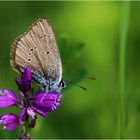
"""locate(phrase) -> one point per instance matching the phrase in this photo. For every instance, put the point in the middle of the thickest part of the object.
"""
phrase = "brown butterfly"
(37, 48)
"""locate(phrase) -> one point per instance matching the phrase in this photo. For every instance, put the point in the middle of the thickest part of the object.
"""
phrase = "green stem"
(25, 134)
(125, 8)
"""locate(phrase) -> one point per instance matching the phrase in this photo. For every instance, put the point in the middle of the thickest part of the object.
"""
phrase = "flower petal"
(10, 121)
(47, 101)
(26, 79)
(19, 83)
(24, 83)
(31, 112)
(7, 98)
(25, 137)
(40, 112)
(22, 115)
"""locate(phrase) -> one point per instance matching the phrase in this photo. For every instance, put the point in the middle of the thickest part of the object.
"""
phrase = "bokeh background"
(100, 39)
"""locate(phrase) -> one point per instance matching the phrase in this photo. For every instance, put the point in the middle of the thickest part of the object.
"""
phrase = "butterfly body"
(47, 83)
(37, 48)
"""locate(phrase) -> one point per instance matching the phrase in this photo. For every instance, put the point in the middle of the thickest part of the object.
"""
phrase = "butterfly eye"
(63, 84)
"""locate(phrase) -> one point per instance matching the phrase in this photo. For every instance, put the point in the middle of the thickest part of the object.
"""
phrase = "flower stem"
(25, 135)
(125, 8)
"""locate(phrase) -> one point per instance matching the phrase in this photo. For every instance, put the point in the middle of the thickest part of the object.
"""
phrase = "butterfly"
(38, 49)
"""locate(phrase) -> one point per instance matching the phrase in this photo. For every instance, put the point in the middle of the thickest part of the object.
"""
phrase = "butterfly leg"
(37, 78)
(45, 88)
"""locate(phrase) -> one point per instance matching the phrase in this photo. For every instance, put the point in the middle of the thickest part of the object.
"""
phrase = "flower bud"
(7, 98)
(24, 83)
(10, 121)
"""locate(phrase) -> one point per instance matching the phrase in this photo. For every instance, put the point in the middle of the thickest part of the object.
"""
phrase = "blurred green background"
(98, 39)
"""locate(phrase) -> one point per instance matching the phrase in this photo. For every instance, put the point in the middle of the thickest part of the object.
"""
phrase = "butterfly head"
(54, 86)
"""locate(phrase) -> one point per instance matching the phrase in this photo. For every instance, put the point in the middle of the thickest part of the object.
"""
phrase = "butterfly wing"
(37, 48)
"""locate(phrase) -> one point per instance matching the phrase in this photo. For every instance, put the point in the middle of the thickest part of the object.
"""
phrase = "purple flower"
(40, 111)
(10, 121)
(31, 111)
(29, 104)
(47, 101)
(22, 115)
(24, 83)
(7, 98)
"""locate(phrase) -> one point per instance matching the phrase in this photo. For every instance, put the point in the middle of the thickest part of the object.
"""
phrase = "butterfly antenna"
(77, 85)
(92, 78)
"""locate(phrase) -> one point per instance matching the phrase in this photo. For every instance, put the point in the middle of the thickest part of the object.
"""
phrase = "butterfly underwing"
(37, 48)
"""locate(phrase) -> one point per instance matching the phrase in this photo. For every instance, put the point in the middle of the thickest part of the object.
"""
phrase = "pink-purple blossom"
(24, 83)
(9, 121)
(7, 98)
(48, 102)
(29, 104)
